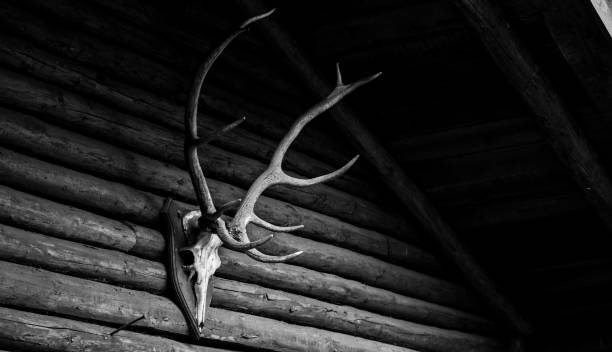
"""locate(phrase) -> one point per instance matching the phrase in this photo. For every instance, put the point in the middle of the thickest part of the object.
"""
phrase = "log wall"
(90, 145)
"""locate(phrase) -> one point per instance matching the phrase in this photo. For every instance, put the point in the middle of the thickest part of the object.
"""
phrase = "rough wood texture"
(239, 267)
(166, 145)
(67, 73)
(63, 221)
(98, 264)
(42, 290)
(515, 60)
(26, 331)
(242, 82)
(393, 175)
(243, 64)
(41, 215)
(117, 164)
(259, 120)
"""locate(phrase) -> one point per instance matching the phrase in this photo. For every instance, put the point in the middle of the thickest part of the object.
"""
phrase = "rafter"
(550, 111)
(585, 44)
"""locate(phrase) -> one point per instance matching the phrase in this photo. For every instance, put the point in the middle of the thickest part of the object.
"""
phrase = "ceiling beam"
(393, 175)
(584, 42)
(551, 113)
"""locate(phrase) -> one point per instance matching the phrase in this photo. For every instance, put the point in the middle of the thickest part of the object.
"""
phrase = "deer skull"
(201, 260)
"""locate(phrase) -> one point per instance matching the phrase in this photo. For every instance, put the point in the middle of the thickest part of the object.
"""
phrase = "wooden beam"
(45, 216)
(40, 215)
(27, 248)
(27, 331)
(604, 11)
(26, 133)
(584, 43)
(73, 75)
(162, 144)
(124, 202)
(524, 73)
(393, 175)
(37, 289)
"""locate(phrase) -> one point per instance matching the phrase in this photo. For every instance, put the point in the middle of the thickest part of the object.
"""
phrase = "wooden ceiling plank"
(393, 175)
(551, 113)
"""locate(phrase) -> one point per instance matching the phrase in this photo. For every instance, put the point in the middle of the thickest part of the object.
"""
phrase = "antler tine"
(257, 255)
(192, 142)
(222, 210)
(340, 91)
(275, 175)
(211, 137)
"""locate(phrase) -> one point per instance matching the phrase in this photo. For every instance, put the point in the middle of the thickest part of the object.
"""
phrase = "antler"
(210, 226)
(275, 175)
(192, 142)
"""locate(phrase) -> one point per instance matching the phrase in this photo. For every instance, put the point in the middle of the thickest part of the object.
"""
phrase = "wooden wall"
(91, 144)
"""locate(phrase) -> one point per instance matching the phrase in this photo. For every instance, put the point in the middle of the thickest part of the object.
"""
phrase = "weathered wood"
(74, 224)
(221, 163)
(160, 143)
(524, 73)
(44, 216)
(55, 33)
(93, 156)
(19, 209)
(26, 331)
(31, 288)
(103, 265)
(394, 176)
(89, 192)
(24, 56)
(126, 65)
(75, 259)
(247, 62)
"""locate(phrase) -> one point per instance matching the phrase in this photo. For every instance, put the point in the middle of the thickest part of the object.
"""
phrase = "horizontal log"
(52, 31)
(26, 331)
(97, 264)
(38, 138)
(74, 224)
(44, 216)
(81, 260)
(160, 143)
(239, 60)
(121, 165)
(83, 153)
(21, 55)
(130, 65)
(189, 35)
(119, 200)
(30, 288)
(312, 283)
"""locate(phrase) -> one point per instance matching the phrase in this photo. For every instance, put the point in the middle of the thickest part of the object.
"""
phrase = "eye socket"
(187, 257)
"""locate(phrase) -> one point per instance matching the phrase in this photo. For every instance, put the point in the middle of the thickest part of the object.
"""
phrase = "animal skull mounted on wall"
(211, 231)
